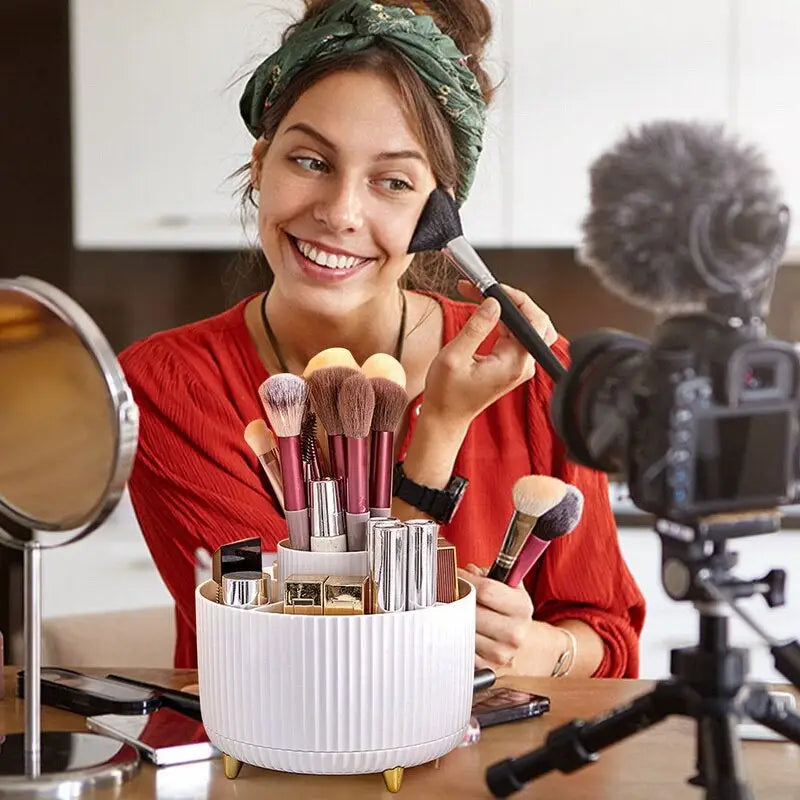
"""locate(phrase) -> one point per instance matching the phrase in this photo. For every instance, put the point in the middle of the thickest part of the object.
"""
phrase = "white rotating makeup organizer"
(334, 694)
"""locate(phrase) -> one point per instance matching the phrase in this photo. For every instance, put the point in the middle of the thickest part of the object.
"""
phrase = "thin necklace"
(273, 342)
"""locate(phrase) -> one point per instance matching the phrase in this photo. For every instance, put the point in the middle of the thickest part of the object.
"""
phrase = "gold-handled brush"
(261, 441)
(534, 495)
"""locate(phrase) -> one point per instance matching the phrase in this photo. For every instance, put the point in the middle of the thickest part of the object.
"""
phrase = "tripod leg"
(575, 744)
(721, 757)
(763, 707)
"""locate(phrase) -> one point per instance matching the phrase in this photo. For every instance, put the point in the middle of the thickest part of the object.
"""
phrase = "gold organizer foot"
(231, 765)
(393, 778)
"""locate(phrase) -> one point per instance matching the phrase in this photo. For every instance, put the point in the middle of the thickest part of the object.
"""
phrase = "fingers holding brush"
(535, 315)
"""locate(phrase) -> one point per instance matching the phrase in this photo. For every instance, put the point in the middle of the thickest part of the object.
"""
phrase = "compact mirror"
(68, 433)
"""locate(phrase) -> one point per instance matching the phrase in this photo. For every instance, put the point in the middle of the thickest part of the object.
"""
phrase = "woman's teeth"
(324, 259)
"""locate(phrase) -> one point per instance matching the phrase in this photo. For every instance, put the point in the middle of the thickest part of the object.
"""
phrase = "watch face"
(456, 490)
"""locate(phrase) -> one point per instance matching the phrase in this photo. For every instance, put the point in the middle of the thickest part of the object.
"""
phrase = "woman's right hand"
(461, 383)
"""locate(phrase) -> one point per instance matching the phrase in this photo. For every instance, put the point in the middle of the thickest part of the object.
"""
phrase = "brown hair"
(469, 24)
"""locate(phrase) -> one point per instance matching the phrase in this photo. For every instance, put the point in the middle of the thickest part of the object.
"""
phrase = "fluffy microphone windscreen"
(438, 224)
(652, 188)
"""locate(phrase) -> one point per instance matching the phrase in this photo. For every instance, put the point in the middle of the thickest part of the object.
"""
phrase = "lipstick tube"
(423, 537)
(327, 534)
(245, 589)
(387, 559)
(345, 595)
(380, 473)
(294, 491)
(357, 494)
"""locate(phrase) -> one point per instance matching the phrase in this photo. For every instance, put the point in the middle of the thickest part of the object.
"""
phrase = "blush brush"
(356, 406)
(325, 374)
(284, 399)
(388, 380)
(439, 228)
(534, 495)
(553, 524)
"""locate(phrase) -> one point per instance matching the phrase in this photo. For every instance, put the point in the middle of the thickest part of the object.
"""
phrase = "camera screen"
(742, 457)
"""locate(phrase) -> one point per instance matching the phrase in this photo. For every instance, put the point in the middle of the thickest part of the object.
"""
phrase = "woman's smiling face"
(341, 186)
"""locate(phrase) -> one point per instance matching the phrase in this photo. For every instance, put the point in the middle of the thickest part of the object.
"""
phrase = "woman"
(361, 113)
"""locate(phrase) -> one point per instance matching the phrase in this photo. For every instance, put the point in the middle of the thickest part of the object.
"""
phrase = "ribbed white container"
(333, 695)
(307, 562)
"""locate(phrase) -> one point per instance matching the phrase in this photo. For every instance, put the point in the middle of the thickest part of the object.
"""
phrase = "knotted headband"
(350, 26)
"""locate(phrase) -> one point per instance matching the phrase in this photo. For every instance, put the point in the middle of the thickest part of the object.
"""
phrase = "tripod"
(708, 680)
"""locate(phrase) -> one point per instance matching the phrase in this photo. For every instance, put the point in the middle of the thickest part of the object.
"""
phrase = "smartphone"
(164, 737)
(88, 695)
(497, 705)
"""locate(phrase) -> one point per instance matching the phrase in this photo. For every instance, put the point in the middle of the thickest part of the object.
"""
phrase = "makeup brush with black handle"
(439, 228)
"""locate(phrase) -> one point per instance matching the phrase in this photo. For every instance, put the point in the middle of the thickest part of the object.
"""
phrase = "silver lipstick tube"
(423, 537)
(245, 589)
(327, 525)
(387, 559)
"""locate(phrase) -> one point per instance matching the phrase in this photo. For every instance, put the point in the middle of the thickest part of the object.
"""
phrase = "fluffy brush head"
(323, 387)
(284, 399)
(390, 403)
(356, 405)
(382, 365)
(438, 224)
(259, 437)
(536, 494)
(562, 518)
(332, 357)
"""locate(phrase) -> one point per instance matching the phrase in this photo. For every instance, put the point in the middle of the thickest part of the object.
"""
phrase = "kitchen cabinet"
(766, 102)
(581, 73)
(156, 131)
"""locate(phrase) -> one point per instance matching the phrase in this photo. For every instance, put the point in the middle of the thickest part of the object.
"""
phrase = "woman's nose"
(341, 206)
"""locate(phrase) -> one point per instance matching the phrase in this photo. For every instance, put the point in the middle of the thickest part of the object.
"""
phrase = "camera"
(703, 420)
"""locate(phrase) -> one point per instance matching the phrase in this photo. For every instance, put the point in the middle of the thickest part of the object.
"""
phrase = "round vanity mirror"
(68, 424)
(68, 432)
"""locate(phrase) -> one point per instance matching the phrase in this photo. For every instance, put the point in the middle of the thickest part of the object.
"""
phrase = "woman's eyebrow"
(383, 156)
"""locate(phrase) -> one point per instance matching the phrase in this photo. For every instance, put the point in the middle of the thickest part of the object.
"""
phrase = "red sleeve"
(583, 575)
(194, 483)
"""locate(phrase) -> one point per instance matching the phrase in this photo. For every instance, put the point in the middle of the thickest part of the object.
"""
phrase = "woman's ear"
(256, 157)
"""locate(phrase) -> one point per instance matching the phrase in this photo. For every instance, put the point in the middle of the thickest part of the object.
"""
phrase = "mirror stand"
(54, 763)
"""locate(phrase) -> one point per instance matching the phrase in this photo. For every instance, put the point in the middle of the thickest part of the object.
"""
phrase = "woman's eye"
(396, 185)
(311, 164)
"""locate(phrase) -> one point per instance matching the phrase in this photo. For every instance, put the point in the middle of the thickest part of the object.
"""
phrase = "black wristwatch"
(439, 504)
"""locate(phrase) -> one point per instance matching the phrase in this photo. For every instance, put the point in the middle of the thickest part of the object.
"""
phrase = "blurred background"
(120, 131)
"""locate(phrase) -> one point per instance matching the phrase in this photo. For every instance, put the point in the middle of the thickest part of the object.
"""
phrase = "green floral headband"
(350, 26)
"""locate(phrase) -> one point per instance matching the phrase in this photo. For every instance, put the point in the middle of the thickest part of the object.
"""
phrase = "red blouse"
(196, 484)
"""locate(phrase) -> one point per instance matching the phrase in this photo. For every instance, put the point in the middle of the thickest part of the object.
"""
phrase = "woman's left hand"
(504, 623)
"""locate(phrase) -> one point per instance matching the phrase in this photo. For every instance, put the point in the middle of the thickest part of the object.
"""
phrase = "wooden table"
(654, 764)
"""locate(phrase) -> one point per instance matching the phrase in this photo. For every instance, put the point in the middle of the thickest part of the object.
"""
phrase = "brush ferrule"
(357, 481)
(294, 488)
(469, 263)
(519, 528)
(381, 468)
(338, 456)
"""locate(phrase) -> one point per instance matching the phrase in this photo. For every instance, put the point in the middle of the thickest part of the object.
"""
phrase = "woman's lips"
(331, 274)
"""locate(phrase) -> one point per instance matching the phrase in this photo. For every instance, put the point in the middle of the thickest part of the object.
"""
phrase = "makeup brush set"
(327, 502)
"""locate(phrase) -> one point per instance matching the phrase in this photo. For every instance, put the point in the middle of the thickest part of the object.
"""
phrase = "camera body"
(704, 420)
